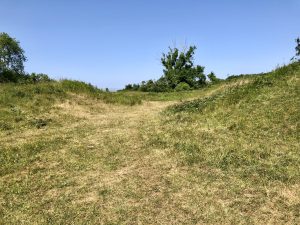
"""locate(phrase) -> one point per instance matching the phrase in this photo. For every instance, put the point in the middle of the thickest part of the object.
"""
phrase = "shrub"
(182, 86)
(37, 78)
(212, 77)
(10, 76)
(128, 87)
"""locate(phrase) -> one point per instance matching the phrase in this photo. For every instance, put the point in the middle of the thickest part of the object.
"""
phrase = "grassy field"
(226, 154)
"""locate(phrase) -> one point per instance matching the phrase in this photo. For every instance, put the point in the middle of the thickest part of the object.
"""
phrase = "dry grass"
(99, 163)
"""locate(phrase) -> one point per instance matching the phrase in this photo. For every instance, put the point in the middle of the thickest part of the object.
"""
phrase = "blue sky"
(112, 43)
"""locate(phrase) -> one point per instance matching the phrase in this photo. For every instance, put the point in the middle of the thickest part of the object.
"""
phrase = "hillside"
(225, 154)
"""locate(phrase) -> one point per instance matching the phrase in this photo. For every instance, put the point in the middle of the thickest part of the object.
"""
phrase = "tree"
(128, 87)
(199, 76)
(212, 77)
(161, 85)
(135, 87)
(11, 54)
(179, 68)
(298, 47)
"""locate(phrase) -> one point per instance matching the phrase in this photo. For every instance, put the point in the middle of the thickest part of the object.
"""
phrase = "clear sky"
(110, 43)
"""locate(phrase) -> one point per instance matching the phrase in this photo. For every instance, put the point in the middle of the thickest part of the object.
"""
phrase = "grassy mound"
(250, 129)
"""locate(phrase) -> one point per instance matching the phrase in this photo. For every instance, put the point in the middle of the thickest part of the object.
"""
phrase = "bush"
(37, 78)
(212, 77)
(128, 87)
(10, 76)
(182, 86)
(7, 76)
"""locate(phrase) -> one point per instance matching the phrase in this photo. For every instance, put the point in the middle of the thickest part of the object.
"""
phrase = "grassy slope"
(230, 155)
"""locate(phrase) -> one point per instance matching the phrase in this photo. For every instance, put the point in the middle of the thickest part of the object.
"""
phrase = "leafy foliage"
(179, 70)
(11, 63)
(298, 47)
(33, 78)
(10, 76)
(179, 67)
(11, 54)
(182, 86)
(37, 78)
(213, 78)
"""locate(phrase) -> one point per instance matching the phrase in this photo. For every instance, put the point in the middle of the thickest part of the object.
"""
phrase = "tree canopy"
(179, 68)
(11, 54)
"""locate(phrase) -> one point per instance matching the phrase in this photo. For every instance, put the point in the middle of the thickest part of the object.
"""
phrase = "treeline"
(179, 74)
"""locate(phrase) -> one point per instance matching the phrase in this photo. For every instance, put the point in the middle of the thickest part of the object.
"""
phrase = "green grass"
(226, 154)
(250, 130)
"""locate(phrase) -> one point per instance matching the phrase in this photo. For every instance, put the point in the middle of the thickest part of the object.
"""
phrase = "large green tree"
(12, 56)
(179, 68)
